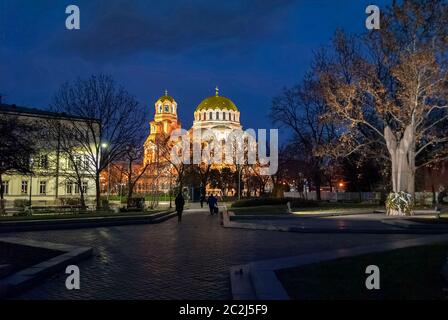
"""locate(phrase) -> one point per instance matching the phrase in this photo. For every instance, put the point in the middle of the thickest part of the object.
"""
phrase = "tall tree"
(17, 146)
(112, 116)
(301, 109)
(133, 157)
(390, 88)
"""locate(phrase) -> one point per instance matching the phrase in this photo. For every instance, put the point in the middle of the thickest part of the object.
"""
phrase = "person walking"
(212, 203)
(180, 202)
(202, 200)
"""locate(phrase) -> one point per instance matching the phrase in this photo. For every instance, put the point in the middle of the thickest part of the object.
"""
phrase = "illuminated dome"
(165, 97)
(216, 103)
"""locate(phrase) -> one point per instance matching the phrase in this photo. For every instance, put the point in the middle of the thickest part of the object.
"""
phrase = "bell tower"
(165, 121)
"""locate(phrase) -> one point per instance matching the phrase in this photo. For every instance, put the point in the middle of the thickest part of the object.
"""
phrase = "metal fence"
(372, 197)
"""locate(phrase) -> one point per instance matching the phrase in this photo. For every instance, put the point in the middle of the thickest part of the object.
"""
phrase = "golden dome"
(165, 97)
(217, 103)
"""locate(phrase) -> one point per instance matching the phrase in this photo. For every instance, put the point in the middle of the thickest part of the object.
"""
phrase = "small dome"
(217, 103)
(165, 97)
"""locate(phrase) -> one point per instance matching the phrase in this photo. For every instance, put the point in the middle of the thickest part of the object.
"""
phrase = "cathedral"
(216, 113)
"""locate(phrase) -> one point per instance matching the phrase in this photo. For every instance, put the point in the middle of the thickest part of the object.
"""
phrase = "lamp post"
(170, 192)
(239, 182)
(31, 180)
(104, 145)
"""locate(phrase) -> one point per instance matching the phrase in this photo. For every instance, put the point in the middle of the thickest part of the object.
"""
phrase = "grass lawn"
(411, 273)
(77, 215)
(20, 257)
(260, 210)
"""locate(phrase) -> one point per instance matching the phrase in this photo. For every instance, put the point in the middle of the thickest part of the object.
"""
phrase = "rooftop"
(19, 110)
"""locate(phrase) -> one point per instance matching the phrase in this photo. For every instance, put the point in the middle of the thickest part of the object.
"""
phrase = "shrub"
(71, 201)
(259, 202)
(302, 203)
(399, 203)
(21, 203)
(295, 202)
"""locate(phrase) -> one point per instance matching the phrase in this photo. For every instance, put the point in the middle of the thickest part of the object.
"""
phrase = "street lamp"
(31, 180)
(104, 145)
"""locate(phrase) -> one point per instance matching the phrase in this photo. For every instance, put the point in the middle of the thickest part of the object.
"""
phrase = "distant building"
(52, 181)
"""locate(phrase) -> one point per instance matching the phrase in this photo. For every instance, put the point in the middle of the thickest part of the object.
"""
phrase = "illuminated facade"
(165, 121)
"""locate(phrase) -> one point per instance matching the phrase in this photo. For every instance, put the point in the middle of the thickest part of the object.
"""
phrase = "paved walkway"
(171, 261)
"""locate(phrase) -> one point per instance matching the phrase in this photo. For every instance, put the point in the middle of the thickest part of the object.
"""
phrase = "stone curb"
(415, 225)
(259, 280)
(85, 222)
(32, 275)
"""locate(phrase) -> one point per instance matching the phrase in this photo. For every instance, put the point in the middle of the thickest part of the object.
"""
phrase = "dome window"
(217, 115)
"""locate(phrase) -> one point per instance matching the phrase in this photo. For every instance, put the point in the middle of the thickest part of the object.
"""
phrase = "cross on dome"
(217, 91)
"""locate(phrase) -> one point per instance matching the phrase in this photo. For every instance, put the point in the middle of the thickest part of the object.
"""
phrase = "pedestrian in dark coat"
(202, 200)
(212, 203)
(180, 202)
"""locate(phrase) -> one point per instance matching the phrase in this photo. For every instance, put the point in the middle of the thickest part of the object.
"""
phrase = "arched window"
(224, 116)
(217, 115)
(160, 108)
(210, 116)
(203, 116)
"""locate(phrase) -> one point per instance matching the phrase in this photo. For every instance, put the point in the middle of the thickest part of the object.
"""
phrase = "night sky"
(250, 49)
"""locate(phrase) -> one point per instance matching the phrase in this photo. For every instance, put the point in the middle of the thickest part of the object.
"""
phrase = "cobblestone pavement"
(170, 261)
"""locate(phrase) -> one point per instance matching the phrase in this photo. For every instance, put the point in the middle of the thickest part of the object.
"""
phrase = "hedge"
(256, 202)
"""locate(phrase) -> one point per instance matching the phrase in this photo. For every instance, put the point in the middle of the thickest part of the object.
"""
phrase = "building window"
(210, 116)
(5, 187)
(76, 188)
(84, 187)
(217, 115)
(69, 187)
(203, 116)
(160, 109)
(24, 188)
(43, 187)
(167, 108)
(224, 116)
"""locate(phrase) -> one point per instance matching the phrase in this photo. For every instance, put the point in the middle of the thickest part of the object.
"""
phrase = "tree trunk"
(82, 197)
(2, 202)
(130, 187)
(317, 184)
(402, 153)
(98, 190)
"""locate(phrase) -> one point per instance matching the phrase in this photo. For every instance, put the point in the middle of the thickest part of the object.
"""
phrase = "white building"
(52, 181)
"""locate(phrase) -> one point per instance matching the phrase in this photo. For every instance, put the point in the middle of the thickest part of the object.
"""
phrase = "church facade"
(216, 114)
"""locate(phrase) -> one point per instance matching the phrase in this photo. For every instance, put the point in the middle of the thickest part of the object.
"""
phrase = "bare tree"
(17, 145)
(112, 116)
(302, 110)
(390, 89)
(134, 171)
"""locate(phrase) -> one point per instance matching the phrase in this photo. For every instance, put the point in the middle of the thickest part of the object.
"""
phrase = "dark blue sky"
(250, 49)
